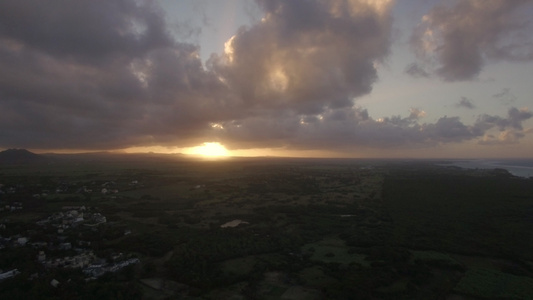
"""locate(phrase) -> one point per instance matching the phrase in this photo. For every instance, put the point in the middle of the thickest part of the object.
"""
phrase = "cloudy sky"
(347, 78)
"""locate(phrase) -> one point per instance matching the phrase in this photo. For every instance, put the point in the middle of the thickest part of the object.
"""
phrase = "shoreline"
(519, 168)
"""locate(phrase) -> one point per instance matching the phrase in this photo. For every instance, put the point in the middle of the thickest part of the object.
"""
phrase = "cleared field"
(334, 251)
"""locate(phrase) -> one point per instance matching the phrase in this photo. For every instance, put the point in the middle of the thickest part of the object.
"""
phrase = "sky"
(313, 78)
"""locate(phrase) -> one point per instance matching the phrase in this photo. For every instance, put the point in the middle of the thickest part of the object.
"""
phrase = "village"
(58, 239)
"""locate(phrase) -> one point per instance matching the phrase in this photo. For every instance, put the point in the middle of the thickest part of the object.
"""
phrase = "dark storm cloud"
(108, 75)
(92, 30)
(465, 103)
(307, 55)
(100, 75)
(463, 37)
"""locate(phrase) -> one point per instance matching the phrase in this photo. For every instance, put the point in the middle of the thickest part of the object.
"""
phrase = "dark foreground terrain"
(151, 227)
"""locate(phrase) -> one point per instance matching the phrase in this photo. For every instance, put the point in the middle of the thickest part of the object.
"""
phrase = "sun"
(209, 149)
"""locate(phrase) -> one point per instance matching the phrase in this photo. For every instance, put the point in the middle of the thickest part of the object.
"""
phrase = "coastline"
(520, 168)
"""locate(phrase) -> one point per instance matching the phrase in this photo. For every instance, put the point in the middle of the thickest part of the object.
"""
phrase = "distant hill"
(18, 156)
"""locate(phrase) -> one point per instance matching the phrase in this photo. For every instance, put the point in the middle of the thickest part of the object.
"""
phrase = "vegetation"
(488, 283)
(304, 229)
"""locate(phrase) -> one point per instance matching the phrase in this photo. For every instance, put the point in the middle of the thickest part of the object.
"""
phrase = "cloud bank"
(111, 75)
(459, 40)
(346, 128)
(99, 75)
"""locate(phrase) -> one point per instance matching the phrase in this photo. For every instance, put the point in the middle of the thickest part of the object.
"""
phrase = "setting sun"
(209, 149)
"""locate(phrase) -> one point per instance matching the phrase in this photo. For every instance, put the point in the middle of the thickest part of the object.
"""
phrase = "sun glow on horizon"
(211, 149)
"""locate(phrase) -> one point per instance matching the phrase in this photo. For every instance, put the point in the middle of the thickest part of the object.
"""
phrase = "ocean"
(517, 167)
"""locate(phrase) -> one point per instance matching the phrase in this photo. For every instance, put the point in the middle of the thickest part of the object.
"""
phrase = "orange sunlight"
(208, 149)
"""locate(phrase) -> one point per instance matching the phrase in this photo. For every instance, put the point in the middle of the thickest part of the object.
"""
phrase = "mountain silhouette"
(17, 156)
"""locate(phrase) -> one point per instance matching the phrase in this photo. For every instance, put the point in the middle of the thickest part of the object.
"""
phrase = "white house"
(9, 274)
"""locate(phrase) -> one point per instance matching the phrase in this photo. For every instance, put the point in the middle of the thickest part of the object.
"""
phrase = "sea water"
(517, 167)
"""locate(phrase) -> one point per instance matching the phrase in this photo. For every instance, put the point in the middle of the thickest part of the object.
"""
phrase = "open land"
(163, 227)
